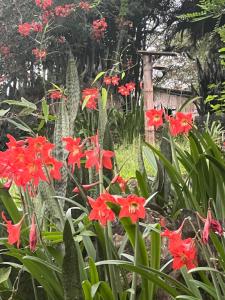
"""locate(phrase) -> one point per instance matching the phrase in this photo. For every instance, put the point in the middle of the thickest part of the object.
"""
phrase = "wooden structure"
(148, 58)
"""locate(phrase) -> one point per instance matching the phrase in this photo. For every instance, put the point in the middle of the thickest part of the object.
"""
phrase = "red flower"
(86, 187)
(13, 231)
(92, 95)
(130, 86)
(123, 90)
(115, 80)
(98, 28)
(39, 53)
(155, 117)
(184, 253)
(185, 121)
(75, 149)
(56, 95)
(84, 5)
(175, 127)
(37, 27)
(33, 235)
(100, 210)
(107, 80)
(210, 224)
(53, 166)
(133, 207)
(93, 158)
(24, 29)
(64, 10)
(175, 233)
(44, 4)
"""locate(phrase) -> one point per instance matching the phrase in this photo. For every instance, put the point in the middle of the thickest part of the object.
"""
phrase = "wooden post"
(148, 96)
(148, 59)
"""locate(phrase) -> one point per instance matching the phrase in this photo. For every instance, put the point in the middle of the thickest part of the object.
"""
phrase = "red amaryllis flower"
(13, 230)
(130, 86)
(92, 96)
(184, 253)
(107, 80)
(98, 28)
(170, 234)
(33, 235)
(84, 5)
(86, 187)
(53, 166)
(115, 80)
(56, 95)
(39, 53)
(123, 90)
(210, 224)
(24, 29)
(155, 117)
(185, 121)
(44, 4)
(133, 207)
(100, 210)
(75, 149)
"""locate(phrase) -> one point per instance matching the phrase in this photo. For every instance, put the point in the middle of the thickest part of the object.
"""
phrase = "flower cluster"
(114, 80)
(25, 162)
(98, 28)
(39, 53)
(94, 155)
(184, 252)
(64, 10)
(14, 231)
(44, 4)
(130, 207)
(26, 28)
(56, 95)
(84, 5)
(91, 95)
(126, 89)
(181, 123)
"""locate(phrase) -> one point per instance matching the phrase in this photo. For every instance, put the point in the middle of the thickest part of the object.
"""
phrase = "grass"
(127, 160)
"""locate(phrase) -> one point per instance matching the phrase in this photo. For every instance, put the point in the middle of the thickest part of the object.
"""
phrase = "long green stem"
(134, 281)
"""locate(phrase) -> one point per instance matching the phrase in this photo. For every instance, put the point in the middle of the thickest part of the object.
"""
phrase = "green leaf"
(123, 75)
(99, 75)
(70, 268)
(103, 289)
(4, 274)
(86, 99)
(86, 286)
(93, 271)
(4, 112)
(20, 126)
(104, 97)
(45, 109)
(23, 103)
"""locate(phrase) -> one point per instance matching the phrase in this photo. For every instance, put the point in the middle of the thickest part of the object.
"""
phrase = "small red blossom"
(107, 80)
(36, 27)
(56, 95)
(123, 90)
(122, 182)
(84, 5)
(75, 149)
(33, 235)
(98, 28)
(13, 230)
(100, 210)
(39, 53)
(210, 224)
(92, 95)
(44, 4)
(53, 166)
(155, 117)
(24, 29)
(61, 39)
(132, 207)
(115, 80)
(130, 86)
(174, 126)
(64, 10)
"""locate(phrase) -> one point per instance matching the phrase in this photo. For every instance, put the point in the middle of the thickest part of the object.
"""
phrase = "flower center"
(133, 207)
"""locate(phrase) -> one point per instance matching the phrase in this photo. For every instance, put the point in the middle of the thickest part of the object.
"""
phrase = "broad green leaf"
(99, 75)
(4, 274)
(104, 97)
(4, 112)
(86, 99)
(103, 289)
(20, 126)
(86, 286)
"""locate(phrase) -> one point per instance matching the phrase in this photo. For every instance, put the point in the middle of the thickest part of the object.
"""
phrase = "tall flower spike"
(13, 230)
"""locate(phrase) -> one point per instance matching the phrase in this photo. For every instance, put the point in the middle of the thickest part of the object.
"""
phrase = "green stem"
(134, 281)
